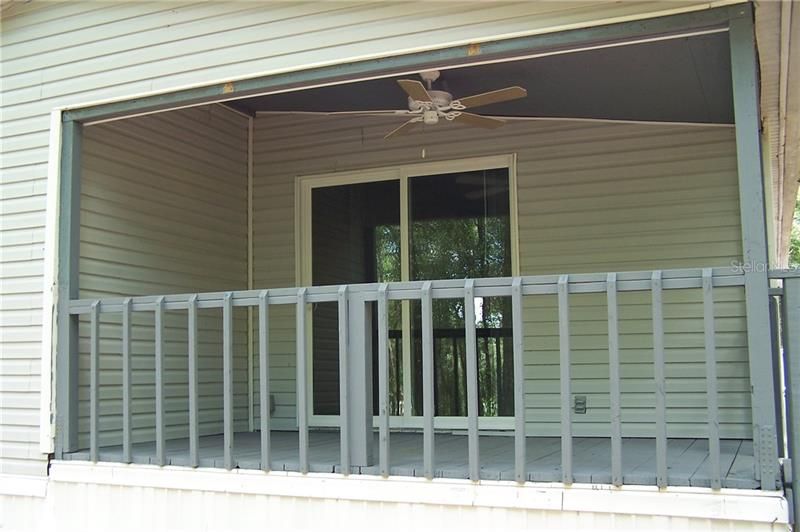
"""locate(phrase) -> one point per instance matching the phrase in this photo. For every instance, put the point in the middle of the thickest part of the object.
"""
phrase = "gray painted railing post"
(68, 256)
(744, 71)
(383, 379)
(344, 399)
(359, 322)
(263, 379)
(127, 380)
(791, 331)
(472, 381)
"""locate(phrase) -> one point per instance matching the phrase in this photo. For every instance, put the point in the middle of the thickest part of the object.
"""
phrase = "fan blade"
(479, 121)
(500, 95)
(415, 89)
(387, 112)
(403, 129)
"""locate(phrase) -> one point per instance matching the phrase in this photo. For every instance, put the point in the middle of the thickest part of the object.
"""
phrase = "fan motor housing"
(441, 101)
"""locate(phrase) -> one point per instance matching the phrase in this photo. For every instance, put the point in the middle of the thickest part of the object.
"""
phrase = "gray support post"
(68, 262)
(428, 402)
(383, 379)
(658, 377)
(227, 379)
(472, 381)
(566, 379)
(127, 368)
(791, 329)
(360, 381)
(711, 379)
(94, 381)
(520, 473)
(344, 401)
(744, 71)
(775, 316)
(614, 379)
(302, 406)
(194, 433)
(161, 444)
(263, 378)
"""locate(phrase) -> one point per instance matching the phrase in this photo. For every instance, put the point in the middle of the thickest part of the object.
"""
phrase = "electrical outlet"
(579, 404)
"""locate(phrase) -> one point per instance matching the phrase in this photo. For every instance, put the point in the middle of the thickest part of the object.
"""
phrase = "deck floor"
(687, 458)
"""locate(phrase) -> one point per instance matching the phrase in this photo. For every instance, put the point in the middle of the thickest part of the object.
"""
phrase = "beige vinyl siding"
(591, 198)
(70, 53)
(163, 211)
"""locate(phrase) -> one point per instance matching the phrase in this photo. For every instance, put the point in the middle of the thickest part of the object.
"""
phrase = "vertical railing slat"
(263, 378)
(520, 473)
(428, 404)
(302, 409)
(711, 378)
(658, 373)
(472, 380)
(566, 379)
(383, 379)
(161, 444)
(94, 381)
(344, 403)
(227, 379)
(614, 379)
(194, 431)
(127, 453)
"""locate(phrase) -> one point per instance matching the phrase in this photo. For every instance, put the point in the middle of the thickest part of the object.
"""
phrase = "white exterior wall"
(173, 498)
(68, 54)
(591, 198)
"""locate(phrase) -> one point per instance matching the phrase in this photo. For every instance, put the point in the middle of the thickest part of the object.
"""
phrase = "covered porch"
(268, 283)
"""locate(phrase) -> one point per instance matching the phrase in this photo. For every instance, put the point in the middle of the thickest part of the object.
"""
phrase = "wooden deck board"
(687, 458)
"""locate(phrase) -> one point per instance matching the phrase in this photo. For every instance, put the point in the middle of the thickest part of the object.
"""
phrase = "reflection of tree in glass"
(455, 248)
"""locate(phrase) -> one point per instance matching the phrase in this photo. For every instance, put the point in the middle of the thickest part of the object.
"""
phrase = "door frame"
(304, 186)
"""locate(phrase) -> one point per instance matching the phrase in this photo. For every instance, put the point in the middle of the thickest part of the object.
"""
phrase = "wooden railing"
(354, 341)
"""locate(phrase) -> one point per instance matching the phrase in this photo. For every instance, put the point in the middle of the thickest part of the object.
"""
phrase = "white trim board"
(686, 502)
(50, 288)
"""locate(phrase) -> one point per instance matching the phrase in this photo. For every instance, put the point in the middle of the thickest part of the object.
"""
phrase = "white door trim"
(304, 185)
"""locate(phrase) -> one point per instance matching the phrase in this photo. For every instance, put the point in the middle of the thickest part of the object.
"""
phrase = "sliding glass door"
(427, 223)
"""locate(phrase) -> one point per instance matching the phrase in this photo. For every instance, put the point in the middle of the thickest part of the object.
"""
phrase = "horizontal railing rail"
(352, 331)
(441, 289)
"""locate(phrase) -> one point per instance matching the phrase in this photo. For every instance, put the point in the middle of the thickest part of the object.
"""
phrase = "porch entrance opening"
(456, 226)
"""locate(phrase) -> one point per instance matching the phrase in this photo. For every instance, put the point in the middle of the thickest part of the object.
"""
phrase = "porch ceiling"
(676, 80)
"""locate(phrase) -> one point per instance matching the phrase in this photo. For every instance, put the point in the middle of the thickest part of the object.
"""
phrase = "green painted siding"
(163, 211)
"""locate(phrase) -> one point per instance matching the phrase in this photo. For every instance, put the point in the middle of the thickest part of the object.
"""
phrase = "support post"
(791, 331)
(744, 71)
(359, 377)
(66, 404)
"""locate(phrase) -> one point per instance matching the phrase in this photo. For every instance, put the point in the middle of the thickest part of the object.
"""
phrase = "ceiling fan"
(428, 106)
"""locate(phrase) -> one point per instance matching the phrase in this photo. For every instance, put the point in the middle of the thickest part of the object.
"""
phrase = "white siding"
(592, 198)
(58, 54)
(163, 211)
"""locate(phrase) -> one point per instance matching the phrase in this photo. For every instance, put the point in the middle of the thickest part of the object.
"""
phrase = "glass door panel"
(355, 239)
(460, 228)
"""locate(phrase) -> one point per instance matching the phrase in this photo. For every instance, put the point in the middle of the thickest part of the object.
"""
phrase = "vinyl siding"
(163, 211)
(591, 198)
(71, 53)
